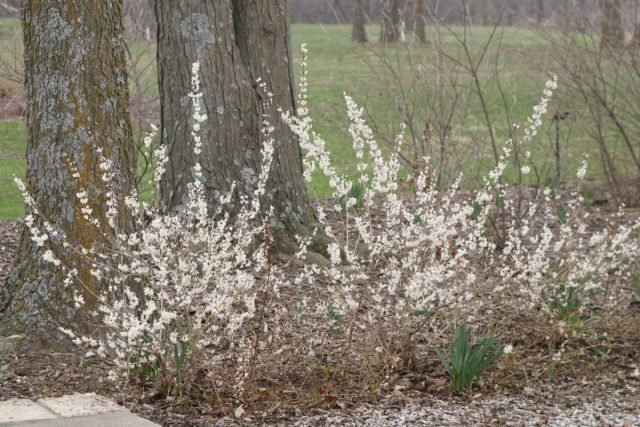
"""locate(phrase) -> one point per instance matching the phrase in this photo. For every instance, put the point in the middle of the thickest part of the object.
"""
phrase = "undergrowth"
(194, 300)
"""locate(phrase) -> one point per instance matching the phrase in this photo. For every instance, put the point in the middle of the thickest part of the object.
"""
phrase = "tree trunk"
(390, 22)
(358, 33)
(419, 20)
(540, 12)
(236, 42)
(636, 35)
(512, 11)
(612, 32)
(77, 102)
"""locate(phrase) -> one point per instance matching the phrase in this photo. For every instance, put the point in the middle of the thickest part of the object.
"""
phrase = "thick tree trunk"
(77, 101)
(236, 42)
(612, 32)
(419, 20)
(390, 22)
(358, 33)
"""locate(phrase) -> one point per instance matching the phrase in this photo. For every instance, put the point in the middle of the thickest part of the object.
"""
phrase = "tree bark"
(236, 42)
(612, 33)
(77, 102)
(358, 33)
(390, 22)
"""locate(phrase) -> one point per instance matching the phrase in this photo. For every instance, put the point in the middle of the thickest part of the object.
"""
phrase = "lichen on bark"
(77, 115)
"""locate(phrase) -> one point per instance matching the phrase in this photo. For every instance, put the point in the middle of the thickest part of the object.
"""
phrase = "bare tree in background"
(540, 12)
(358, 33)
(612, 32)
(602, 78)
(419, 21)
(139, 19)
(636, 25)
(390, 21)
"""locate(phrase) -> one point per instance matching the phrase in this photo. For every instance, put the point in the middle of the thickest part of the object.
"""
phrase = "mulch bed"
(9, 239)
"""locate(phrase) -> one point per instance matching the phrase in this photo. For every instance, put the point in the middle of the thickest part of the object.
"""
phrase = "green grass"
(519, 56)
(12, 162)
(337, 66)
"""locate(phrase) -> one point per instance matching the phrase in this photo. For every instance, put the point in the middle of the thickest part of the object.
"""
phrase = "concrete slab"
(79, 405)
(15, 410)
(109, 419)
(76, 410)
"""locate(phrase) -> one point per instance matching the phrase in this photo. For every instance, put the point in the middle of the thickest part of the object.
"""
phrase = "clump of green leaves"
(564, 304)
(335, 318)
(465, 362)
(180, 350)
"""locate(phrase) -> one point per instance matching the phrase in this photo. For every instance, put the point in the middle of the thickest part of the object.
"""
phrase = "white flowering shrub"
(183, 285)
(194, 296)
(404, 264)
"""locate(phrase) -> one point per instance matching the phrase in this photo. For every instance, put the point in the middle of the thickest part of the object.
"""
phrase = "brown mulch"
(12, 106)
(9, 239)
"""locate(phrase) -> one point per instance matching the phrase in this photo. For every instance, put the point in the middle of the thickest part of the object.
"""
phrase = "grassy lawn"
(388, 82)
(12, 162)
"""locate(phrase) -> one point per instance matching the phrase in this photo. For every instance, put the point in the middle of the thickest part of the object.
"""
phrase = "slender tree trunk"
(540, 12)
(472, 13)
(612, 32)
(636, 35)
(390, 22)
(419, 20)
(566, 16)
(236, 42)
(77, 102)
(512, 10)
(358, 33)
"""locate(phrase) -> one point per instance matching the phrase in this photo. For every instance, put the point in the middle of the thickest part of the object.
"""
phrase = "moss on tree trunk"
(77, 113)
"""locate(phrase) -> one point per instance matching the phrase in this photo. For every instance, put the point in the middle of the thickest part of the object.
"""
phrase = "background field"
(407, 83)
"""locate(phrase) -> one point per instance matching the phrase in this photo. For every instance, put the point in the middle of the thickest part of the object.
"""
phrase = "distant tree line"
(579, 15)
(615, 19)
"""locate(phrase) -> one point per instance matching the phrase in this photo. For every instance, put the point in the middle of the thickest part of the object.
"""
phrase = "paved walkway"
(77, 410)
